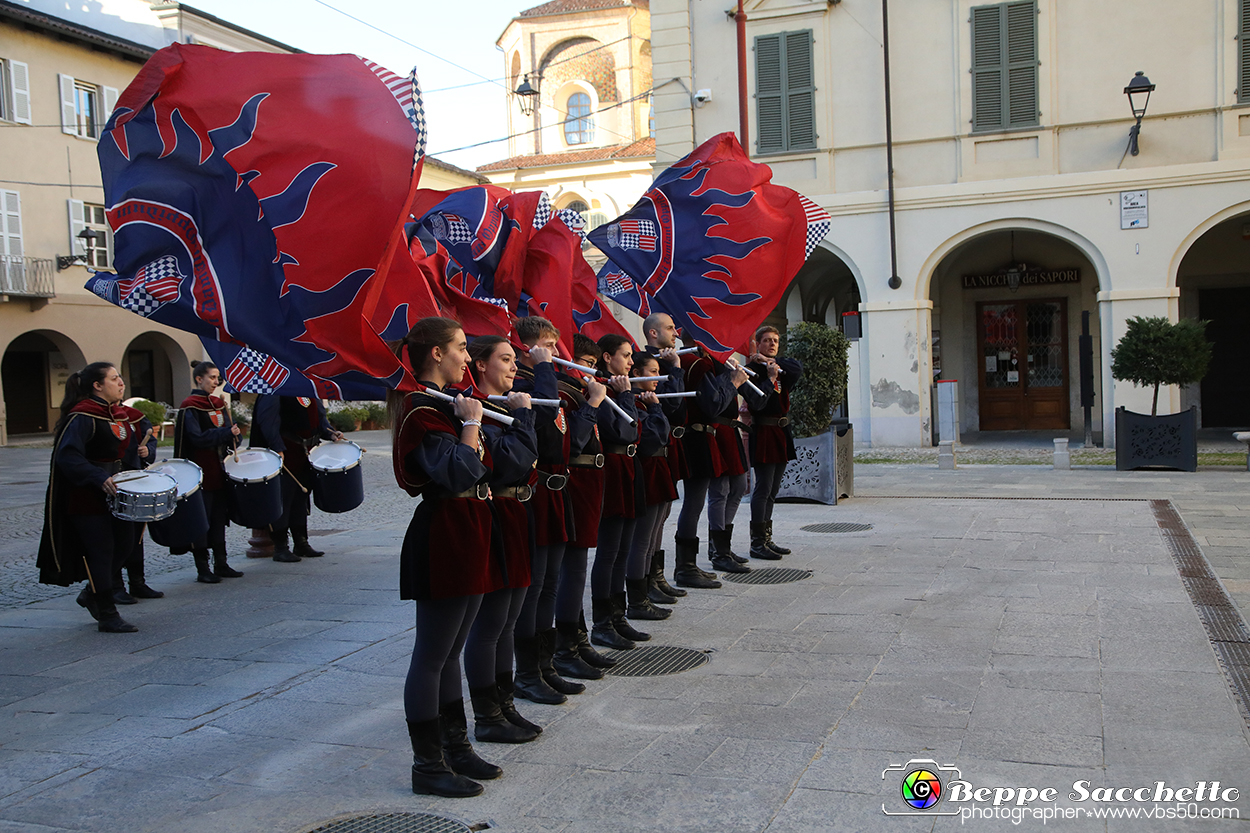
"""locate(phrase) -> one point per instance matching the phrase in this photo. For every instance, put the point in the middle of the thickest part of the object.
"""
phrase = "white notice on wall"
(1134, 209)
(991, 364)
(1013, 377)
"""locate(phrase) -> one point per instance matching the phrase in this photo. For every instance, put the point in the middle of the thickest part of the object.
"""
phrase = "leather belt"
(479, 492)
(733, 423)
(662, 452)
(780, 422)
(587, 461)
(678, 431)
(554, 482)
(628, 450)
(706, 429)
(521, 493)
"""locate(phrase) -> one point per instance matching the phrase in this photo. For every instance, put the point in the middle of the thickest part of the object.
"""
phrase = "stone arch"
(157, 354)
(1174, 267)
(32, 378)
(514, 71)
(584, 59)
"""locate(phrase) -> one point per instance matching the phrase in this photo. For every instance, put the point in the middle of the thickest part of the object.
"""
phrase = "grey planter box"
(825, 469)
(1168, 442)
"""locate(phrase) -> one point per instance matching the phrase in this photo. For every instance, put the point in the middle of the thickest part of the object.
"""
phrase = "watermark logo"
(922, 786)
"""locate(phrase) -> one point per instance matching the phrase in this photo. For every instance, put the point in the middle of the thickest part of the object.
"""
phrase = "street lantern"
(526, 96)
(90, 237)
(1138, 92)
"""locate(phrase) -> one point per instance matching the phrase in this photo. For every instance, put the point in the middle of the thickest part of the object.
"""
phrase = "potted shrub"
(345, 419)
(1155, 352)
(824, 470)
(374, 416)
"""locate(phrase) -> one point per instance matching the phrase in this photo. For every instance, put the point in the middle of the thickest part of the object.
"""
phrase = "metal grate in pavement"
(655, 661)
(1229, 635)
(395, 823)
(768, 575)
(836, 527)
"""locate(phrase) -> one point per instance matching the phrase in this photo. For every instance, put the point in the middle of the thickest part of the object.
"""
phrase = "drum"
(255, 490)
(338, 484)
(143, 496)
(189, 524)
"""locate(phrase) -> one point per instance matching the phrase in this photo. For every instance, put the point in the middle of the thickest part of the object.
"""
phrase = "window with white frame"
(85, 215)
(579, 124)
(11, 266)
(14, 91)
(85, 107)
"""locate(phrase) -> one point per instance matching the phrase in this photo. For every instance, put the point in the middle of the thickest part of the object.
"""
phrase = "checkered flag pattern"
(254, 372)
(574, 220)
(152, 287)
(818, 223)
(542, 215)
(407, 93)
(616, 283)
(458, 230)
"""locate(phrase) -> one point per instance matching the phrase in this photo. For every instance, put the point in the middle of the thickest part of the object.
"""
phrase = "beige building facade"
(61, 70)
(1017, 204)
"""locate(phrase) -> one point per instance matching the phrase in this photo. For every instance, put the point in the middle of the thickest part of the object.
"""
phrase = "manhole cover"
(394, 823)
(839, 527)
(767, 575)
(655, 661)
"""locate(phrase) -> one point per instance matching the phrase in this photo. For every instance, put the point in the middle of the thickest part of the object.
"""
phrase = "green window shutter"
(785, 92)
(800, 92)
(1004, 66)
(769, 100)
(1243, 52)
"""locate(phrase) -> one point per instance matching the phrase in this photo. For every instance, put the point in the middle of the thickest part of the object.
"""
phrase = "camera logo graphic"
(921, 786)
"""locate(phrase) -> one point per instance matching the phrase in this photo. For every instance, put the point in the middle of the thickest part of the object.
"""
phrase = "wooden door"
(1023, 373)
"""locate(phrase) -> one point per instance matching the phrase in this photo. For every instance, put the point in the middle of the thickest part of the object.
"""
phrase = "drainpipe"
(744, 135)
(895, 281)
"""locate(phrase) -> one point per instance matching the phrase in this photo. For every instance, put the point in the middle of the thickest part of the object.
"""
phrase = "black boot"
(604, 631)
(139, 587)
(109, 620)
(567, 661)
(489, 724)
(759, 543)
(654, 576)
(220, 566)
(622, 625)
(657, 567)
(86, 600)
(457, 750)
(529, 674)
(121, 597)
(505, 686)
(722, 555)
(203, 573)
(546, 654)
(741, 559)
(430, 773)
(587, 651)
(304, 549)
(686, 572)
(770, 543)
(281, 550)
(640, 606)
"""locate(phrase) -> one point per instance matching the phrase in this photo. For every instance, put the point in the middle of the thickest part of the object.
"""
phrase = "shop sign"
(1022, 275)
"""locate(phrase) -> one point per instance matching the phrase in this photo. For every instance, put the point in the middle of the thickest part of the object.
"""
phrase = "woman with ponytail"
(81, 538)
(446, 563)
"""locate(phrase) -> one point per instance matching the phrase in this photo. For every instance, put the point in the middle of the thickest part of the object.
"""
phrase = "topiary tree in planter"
(1155, 352)
(823, 352)
(824, 470)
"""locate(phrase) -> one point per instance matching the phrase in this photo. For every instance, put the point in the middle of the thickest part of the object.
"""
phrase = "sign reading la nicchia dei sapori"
(1013, 279)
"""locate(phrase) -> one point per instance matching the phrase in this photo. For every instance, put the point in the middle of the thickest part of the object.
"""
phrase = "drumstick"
(293, 477)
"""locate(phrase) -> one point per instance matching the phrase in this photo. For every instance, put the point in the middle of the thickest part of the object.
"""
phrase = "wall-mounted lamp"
(1138, 92)
(86, 235)
(526, 96)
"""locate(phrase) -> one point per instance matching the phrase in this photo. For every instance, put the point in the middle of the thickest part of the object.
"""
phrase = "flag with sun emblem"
(253, 197)
(713, 243)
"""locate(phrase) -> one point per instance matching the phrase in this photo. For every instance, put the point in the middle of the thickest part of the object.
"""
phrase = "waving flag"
(253, 198)
(713, 243)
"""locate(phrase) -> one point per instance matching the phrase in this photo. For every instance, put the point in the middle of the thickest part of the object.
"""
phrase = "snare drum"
(338, 484)
(143, 496)
(188, 526)
(255, 491)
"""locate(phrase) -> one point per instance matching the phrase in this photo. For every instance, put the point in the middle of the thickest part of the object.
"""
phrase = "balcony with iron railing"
(26, 277)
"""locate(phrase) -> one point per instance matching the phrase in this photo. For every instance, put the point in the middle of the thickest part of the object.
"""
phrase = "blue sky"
(459, 32)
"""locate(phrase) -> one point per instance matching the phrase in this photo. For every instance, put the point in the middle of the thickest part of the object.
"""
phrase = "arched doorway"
(824, 288)
(1007, 312)
(1214, 281)
(156, 367)
(33, 373)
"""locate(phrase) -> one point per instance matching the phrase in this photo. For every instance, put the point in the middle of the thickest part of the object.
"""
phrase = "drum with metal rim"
(338, 484)
(255, 489)
(143, 496)
(188, 526)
